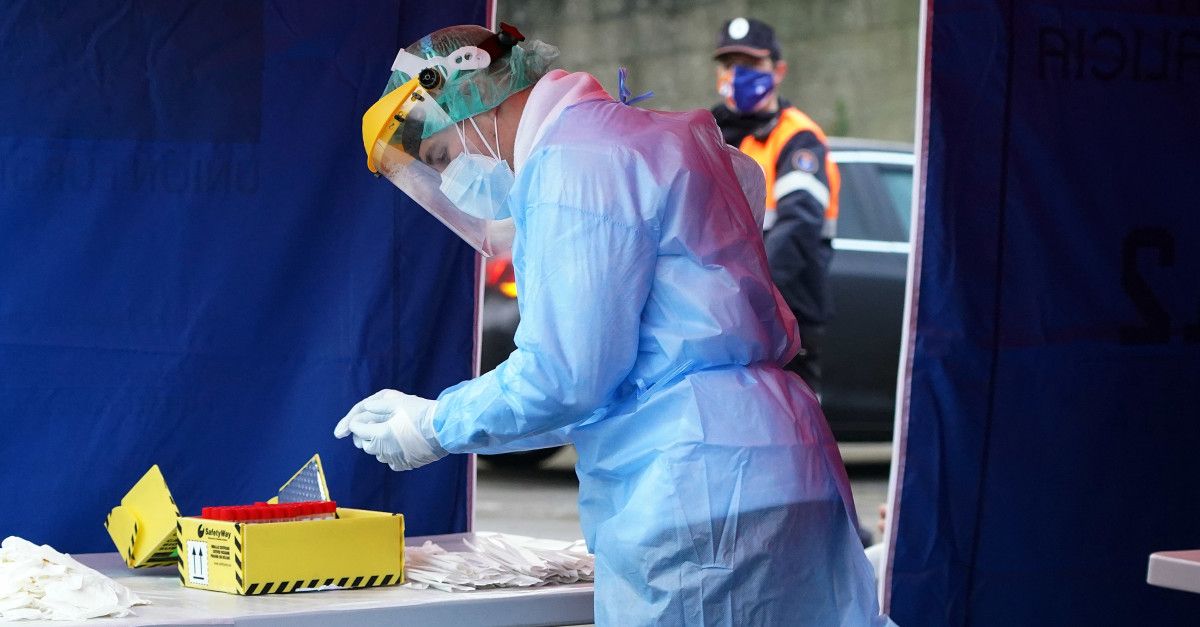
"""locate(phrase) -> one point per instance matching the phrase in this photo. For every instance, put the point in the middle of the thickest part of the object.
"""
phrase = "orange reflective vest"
(792, 122)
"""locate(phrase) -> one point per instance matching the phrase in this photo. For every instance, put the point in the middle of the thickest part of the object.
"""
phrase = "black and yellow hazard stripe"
(284, 587)
(178, 550)
(237, 559)
(182, 570)
(129, 547)
(132, 538)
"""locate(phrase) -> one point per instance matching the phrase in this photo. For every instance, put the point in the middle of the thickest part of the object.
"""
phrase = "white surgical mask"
(479, 184)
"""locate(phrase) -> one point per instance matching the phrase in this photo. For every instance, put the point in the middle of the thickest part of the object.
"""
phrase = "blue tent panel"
(196, 268)
(1052, 431)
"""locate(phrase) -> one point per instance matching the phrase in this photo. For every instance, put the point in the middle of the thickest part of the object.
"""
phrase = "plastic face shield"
(409, 140)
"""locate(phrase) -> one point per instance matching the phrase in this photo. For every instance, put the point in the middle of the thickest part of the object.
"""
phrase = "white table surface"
(1178, 570)
(172, 604)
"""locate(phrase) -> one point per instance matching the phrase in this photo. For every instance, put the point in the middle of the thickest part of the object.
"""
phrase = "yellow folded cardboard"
(143, 525)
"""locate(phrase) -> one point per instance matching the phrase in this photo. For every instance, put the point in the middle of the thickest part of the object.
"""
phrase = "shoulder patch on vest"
(805, 160)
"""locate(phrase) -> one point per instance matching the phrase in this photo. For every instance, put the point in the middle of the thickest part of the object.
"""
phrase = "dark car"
(861, 355)
(867, 277)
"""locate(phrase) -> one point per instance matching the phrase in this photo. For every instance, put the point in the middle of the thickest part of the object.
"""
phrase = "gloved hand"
(395, 427)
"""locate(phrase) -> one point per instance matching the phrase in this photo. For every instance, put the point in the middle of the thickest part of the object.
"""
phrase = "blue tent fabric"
(1053, 435)
(196, 268)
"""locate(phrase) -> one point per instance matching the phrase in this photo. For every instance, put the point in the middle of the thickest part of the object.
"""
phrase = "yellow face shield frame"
(403, 117)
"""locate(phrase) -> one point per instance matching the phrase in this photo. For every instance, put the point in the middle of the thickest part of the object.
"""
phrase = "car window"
(853, 218)
(898, 183)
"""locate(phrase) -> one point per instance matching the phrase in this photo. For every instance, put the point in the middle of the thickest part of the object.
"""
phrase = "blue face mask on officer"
(745, 88)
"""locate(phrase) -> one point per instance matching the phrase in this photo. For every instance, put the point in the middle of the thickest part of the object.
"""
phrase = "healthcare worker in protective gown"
(651, 337)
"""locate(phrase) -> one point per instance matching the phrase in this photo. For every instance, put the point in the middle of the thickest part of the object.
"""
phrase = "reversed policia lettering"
(1125, 53)
(1156, 326)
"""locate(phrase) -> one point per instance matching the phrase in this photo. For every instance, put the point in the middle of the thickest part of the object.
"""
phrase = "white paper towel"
(497, 561)
(39, 583)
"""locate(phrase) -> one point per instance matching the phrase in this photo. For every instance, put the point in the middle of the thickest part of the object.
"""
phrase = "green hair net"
(470, 92)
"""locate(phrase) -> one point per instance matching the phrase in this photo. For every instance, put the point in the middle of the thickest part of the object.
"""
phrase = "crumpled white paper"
(39, 583)
(497, 561)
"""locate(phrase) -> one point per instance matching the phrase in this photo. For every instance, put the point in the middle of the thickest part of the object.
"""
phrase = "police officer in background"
(802, 179)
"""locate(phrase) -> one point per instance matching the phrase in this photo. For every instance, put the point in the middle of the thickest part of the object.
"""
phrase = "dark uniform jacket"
(802, 188)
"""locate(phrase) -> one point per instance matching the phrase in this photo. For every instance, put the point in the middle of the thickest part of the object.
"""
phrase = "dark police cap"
(747, 36)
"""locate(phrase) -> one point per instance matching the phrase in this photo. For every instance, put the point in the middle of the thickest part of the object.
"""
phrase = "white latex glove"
(395, 427)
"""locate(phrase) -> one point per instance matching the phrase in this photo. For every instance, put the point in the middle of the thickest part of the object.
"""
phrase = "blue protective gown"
(651, 337)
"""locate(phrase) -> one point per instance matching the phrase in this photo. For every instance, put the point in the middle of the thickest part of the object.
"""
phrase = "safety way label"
(197, 556)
